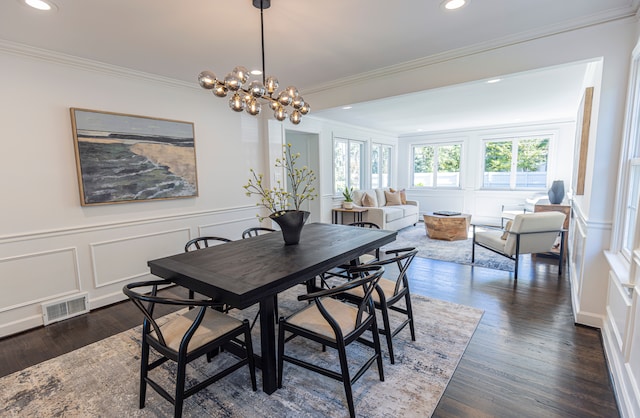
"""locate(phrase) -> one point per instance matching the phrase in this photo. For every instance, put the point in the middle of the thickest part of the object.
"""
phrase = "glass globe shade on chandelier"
(247, 95)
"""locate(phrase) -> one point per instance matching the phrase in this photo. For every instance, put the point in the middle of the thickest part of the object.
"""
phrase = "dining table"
(249, 271)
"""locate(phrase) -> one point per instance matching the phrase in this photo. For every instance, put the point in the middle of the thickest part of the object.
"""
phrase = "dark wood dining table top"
(242, 272)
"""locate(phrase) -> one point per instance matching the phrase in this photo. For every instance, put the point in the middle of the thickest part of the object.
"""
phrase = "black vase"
(290, 223)
(556, 192)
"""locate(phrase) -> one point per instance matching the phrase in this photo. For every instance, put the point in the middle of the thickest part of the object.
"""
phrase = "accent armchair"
(529, 233)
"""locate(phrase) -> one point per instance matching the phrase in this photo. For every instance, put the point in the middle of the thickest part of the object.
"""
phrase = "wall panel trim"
(76, 268)
(118, 224)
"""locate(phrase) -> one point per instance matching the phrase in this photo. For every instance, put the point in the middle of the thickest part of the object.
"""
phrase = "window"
(629, 187)
(436, 165)
(348, 164)
(516, 163)
(380, 166)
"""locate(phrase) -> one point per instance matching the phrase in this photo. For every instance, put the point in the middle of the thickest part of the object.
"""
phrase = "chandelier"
(247, 96)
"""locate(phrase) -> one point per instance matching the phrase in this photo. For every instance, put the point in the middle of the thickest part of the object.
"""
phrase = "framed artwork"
(583, 124)
(126, 158)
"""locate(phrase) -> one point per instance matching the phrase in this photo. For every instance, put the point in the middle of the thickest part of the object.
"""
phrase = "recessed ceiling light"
(347, 107)
(453, 4)
(256, 72)
(494, 80)
(44, 5)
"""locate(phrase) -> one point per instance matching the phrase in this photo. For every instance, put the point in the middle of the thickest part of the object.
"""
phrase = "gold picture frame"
(127, 158)
(583, 124)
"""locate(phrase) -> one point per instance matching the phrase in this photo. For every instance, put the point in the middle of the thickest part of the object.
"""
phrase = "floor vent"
(66, 308)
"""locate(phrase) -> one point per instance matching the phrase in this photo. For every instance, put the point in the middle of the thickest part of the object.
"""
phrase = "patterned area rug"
(454, 251)
(101, 380)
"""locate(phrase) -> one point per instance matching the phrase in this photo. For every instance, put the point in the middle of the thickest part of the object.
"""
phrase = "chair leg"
(144, 367)
(387, 330)
(378, 349)
(515, 276)
(407, 301)
(346, 379)
(180, 378)
(473, 245)
(250, 358)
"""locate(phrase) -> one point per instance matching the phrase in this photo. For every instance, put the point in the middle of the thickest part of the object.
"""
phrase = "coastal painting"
(126, 158)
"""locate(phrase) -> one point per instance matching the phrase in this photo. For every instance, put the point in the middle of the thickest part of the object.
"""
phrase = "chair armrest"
(494, 227)
(561, 230)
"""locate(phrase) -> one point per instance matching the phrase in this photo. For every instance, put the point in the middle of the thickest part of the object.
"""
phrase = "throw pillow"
(507, 227)
(369, 201)
(403, 195)
(393, 199)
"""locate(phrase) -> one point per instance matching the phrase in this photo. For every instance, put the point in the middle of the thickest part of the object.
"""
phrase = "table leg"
(268, 345)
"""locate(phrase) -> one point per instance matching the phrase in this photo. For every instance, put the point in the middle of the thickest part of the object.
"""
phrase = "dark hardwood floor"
(526, 359)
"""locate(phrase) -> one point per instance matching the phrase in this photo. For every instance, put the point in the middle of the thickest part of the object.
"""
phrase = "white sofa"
(393, 217)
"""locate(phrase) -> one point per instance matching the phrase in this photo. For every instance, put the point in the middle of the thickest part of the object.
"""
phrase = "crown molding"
(632, 11)
(46, 55)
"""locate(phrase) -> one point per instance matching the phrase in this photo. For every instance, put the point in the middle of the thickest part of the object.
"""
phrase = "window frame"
(389, 163)
(436, 145)
(629, 160)
(363, 164)
(515, 138)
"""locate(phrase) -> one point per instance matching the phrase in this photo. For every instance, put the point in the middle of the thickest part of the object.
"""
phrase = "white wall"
(50, 246)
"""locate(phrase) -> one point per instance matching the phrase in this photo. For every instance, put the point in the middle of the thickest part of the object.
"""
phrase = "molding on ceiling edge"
(14, 48)
(577, 24)
(633, 11)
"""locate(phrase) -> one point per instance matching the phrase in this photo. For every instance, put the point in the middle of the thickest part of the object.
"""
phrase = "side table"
(448, 228)
(566, 209)
(357, 214)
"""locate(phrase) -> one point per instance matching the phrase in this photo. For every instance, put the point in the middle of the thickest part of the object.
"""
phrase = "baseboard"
(21, 325)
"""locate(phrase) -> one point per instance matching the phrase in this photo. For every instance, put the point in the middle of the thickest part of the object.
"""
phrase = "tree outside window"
(516, 163)
(436, 165)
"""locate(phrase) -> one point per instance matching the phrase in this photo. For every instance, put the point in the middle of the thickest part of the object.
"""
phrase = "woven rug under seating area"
(101, 379)
(453, 251)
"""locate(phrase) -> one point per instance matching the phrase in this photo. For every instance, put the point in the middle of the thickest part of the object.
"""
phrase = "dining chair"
(255, 231)
(341, 270)
(184, 338)
(389, 292)
(367, 258)
(336, 324)
(200, 243)
(203, 242)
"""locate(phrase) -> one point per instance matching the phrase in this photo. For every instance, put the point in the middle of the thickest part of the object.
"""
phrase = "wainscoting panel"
(576, 254)
(126, 258)
(32, 278)
(618, 309)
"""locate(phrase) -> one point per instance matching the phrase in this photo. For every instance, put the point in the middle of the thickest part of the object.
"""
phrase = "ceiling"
(312, 44)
